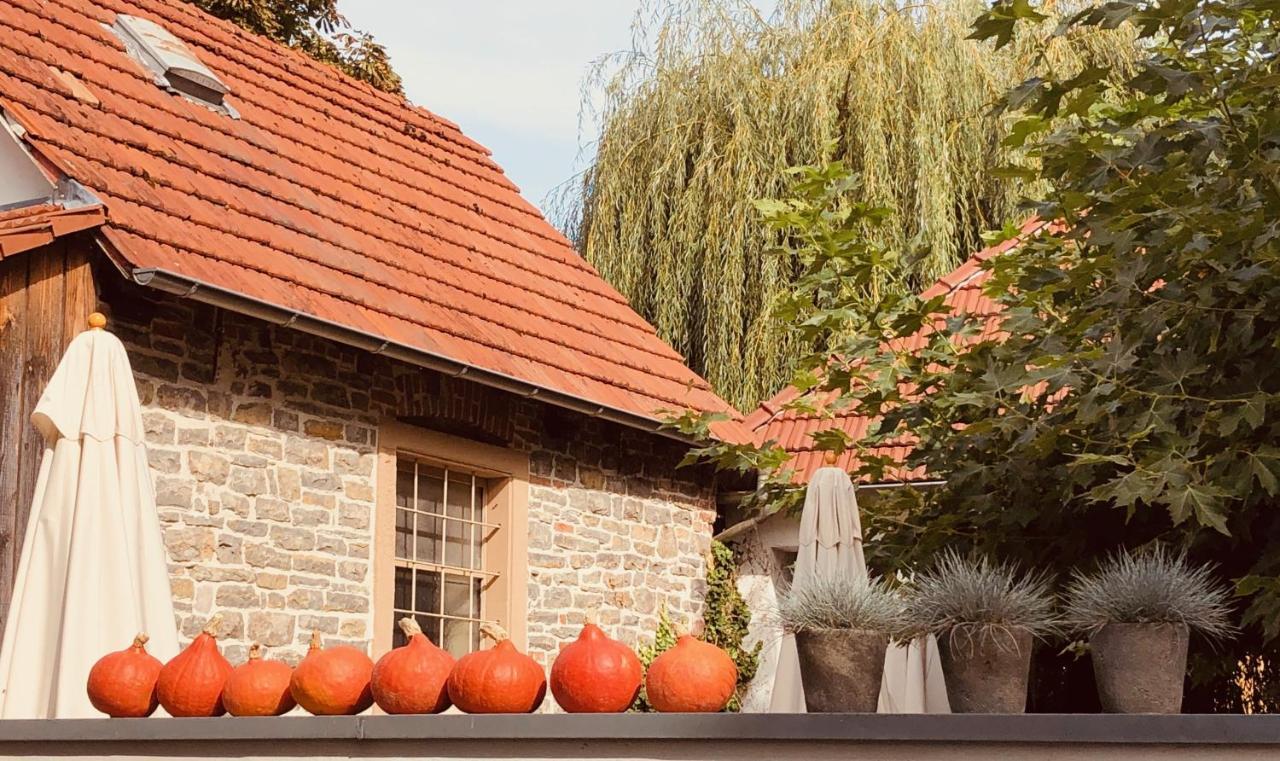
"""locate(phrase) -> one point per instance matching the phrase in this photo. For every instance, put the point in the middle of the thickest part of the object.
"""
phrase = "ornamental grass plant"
(841, 602)
(1153, 587)
(979, 598)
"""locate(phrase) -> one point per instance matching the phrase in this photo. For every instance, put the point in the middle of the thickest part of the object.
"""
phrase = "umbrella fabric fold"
(830, 546)
(93, 571)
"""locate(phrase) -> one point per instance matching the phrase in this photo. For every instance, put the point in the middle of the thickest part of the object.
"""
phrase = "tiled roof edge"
(187, 287)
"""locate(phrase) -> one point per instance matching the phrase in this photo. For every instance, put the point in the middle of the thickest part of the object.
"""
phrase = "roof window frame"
(172, 65)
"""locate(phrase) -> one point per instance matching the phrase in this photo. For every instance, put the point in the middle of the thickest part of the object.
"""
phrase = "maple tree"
(1134, 394)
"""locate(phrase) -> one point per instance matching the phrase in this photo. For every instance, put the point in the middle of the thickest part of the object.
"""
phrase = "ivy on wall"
(726, 617)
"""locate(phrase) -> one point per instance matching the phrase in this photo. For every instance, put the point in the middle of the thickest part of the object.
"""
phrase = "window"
(173, 65)
(451, 545)
(441, 532)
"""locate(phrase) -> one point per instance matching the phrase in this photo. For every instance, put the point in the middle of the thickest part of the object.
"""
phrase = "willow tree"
(714, 103)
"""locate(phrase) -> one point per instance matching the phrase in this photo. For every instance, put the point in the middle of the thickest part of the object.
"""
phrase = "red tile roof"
(326, 197)
(28, 227)
(793, 429)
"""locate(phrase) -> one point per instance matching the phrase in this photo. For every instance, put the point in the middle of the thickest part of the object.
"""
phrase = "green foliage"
(316, 28)
(715, 102)
(1133, 395)
(725, 617)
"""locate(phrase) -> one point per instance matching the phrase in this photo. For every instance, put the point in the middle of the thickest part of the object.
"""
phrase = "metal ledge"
(1050, 729)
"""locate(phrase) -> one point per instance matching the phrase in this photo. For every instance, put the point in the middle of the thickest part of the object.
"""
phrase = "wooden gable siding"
(46, 295)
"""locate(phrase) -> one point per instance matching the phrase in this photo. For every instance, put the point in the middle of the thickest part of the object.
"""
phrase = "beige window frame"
(506, 473)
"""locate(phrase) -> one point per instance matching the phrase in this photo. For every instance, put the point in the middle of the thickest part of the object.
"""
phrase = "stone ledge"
(1032, 729)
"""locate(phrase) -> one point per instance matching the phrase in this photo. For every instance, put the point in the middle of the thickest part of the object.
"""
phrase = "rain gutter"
(206, 293)
(742, 527)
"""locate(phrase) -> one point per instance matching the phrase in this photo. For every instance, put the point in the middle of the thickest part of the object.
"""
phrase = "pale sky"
(509, 72)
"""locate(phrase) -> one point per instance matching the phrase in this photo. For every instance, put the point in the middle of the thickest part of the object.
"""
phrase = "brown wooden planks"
(81, 298)
(13, 310)
(43, 329)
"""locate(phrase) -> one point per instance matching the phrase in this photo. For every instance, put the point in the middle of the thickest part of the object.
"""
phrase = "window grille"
(440, 571)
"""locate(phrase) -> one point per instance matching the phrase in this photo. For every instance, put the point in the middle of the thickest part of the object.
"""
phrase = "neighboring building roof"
(319, 194)
(793, 429)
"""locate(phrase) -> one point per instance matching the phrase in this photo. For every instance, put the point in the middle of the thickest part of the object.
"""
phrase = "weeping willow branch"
(713, 104)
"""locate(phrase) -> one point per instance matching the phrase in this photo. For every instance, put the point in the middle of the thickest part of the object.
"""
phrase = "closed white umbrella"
(92, 573)
(830, 545)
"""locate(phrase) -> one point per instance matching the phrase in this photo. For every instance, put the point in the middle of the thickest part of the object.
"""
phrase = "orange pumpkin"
(498, 680)
(692, 677)
(596, 674)
(258, 687)
(333, 682)
(123, 684)
(411, 679)
(191, 683)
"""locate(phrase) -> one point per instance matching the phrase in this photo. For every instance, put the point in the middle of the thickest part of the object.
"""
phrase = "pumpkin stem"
(211, 627)
(593, 615)
(494, 632)
(315, 640)
(255, 651)
(409, 626)
(141, 639)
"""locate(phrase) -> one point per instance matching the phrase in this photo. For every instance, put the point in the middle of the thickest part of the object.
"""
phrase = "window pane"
(404, 589)
(477, 532)
(397, 636)
(476, 611)
(427, 595)
(430, 627)
(428, 538)
(457, 534)
(457, 596)
(430, 489)
(404, 483)
(457, 637)
(404, 534)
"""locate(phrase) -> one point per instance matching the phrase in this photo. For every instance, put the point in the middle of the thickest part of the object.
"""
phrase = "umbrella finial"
(830, 457)
(97, 321)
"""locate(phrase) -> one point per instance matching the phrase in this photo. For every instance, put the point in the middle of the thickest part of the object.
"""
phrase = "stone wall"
(263, 444)
(606, 535)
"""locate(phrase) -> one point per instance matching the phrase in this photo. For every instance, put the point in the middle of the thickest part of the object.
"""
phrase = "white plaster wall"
(760, 579)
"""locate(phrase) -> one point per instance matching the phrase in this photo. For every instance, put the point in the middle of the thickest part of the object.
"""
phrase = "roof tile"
(793, 430)
(328, 197)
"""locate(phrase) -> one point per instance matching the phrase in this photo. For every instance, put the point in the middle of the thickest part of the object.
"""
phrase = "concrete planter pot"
(841, 669)
(1140, 668)
(986, 668)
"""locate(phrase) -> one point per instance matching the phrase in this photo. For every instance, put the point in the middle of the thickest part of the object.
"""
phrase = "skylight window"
(174, 65)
